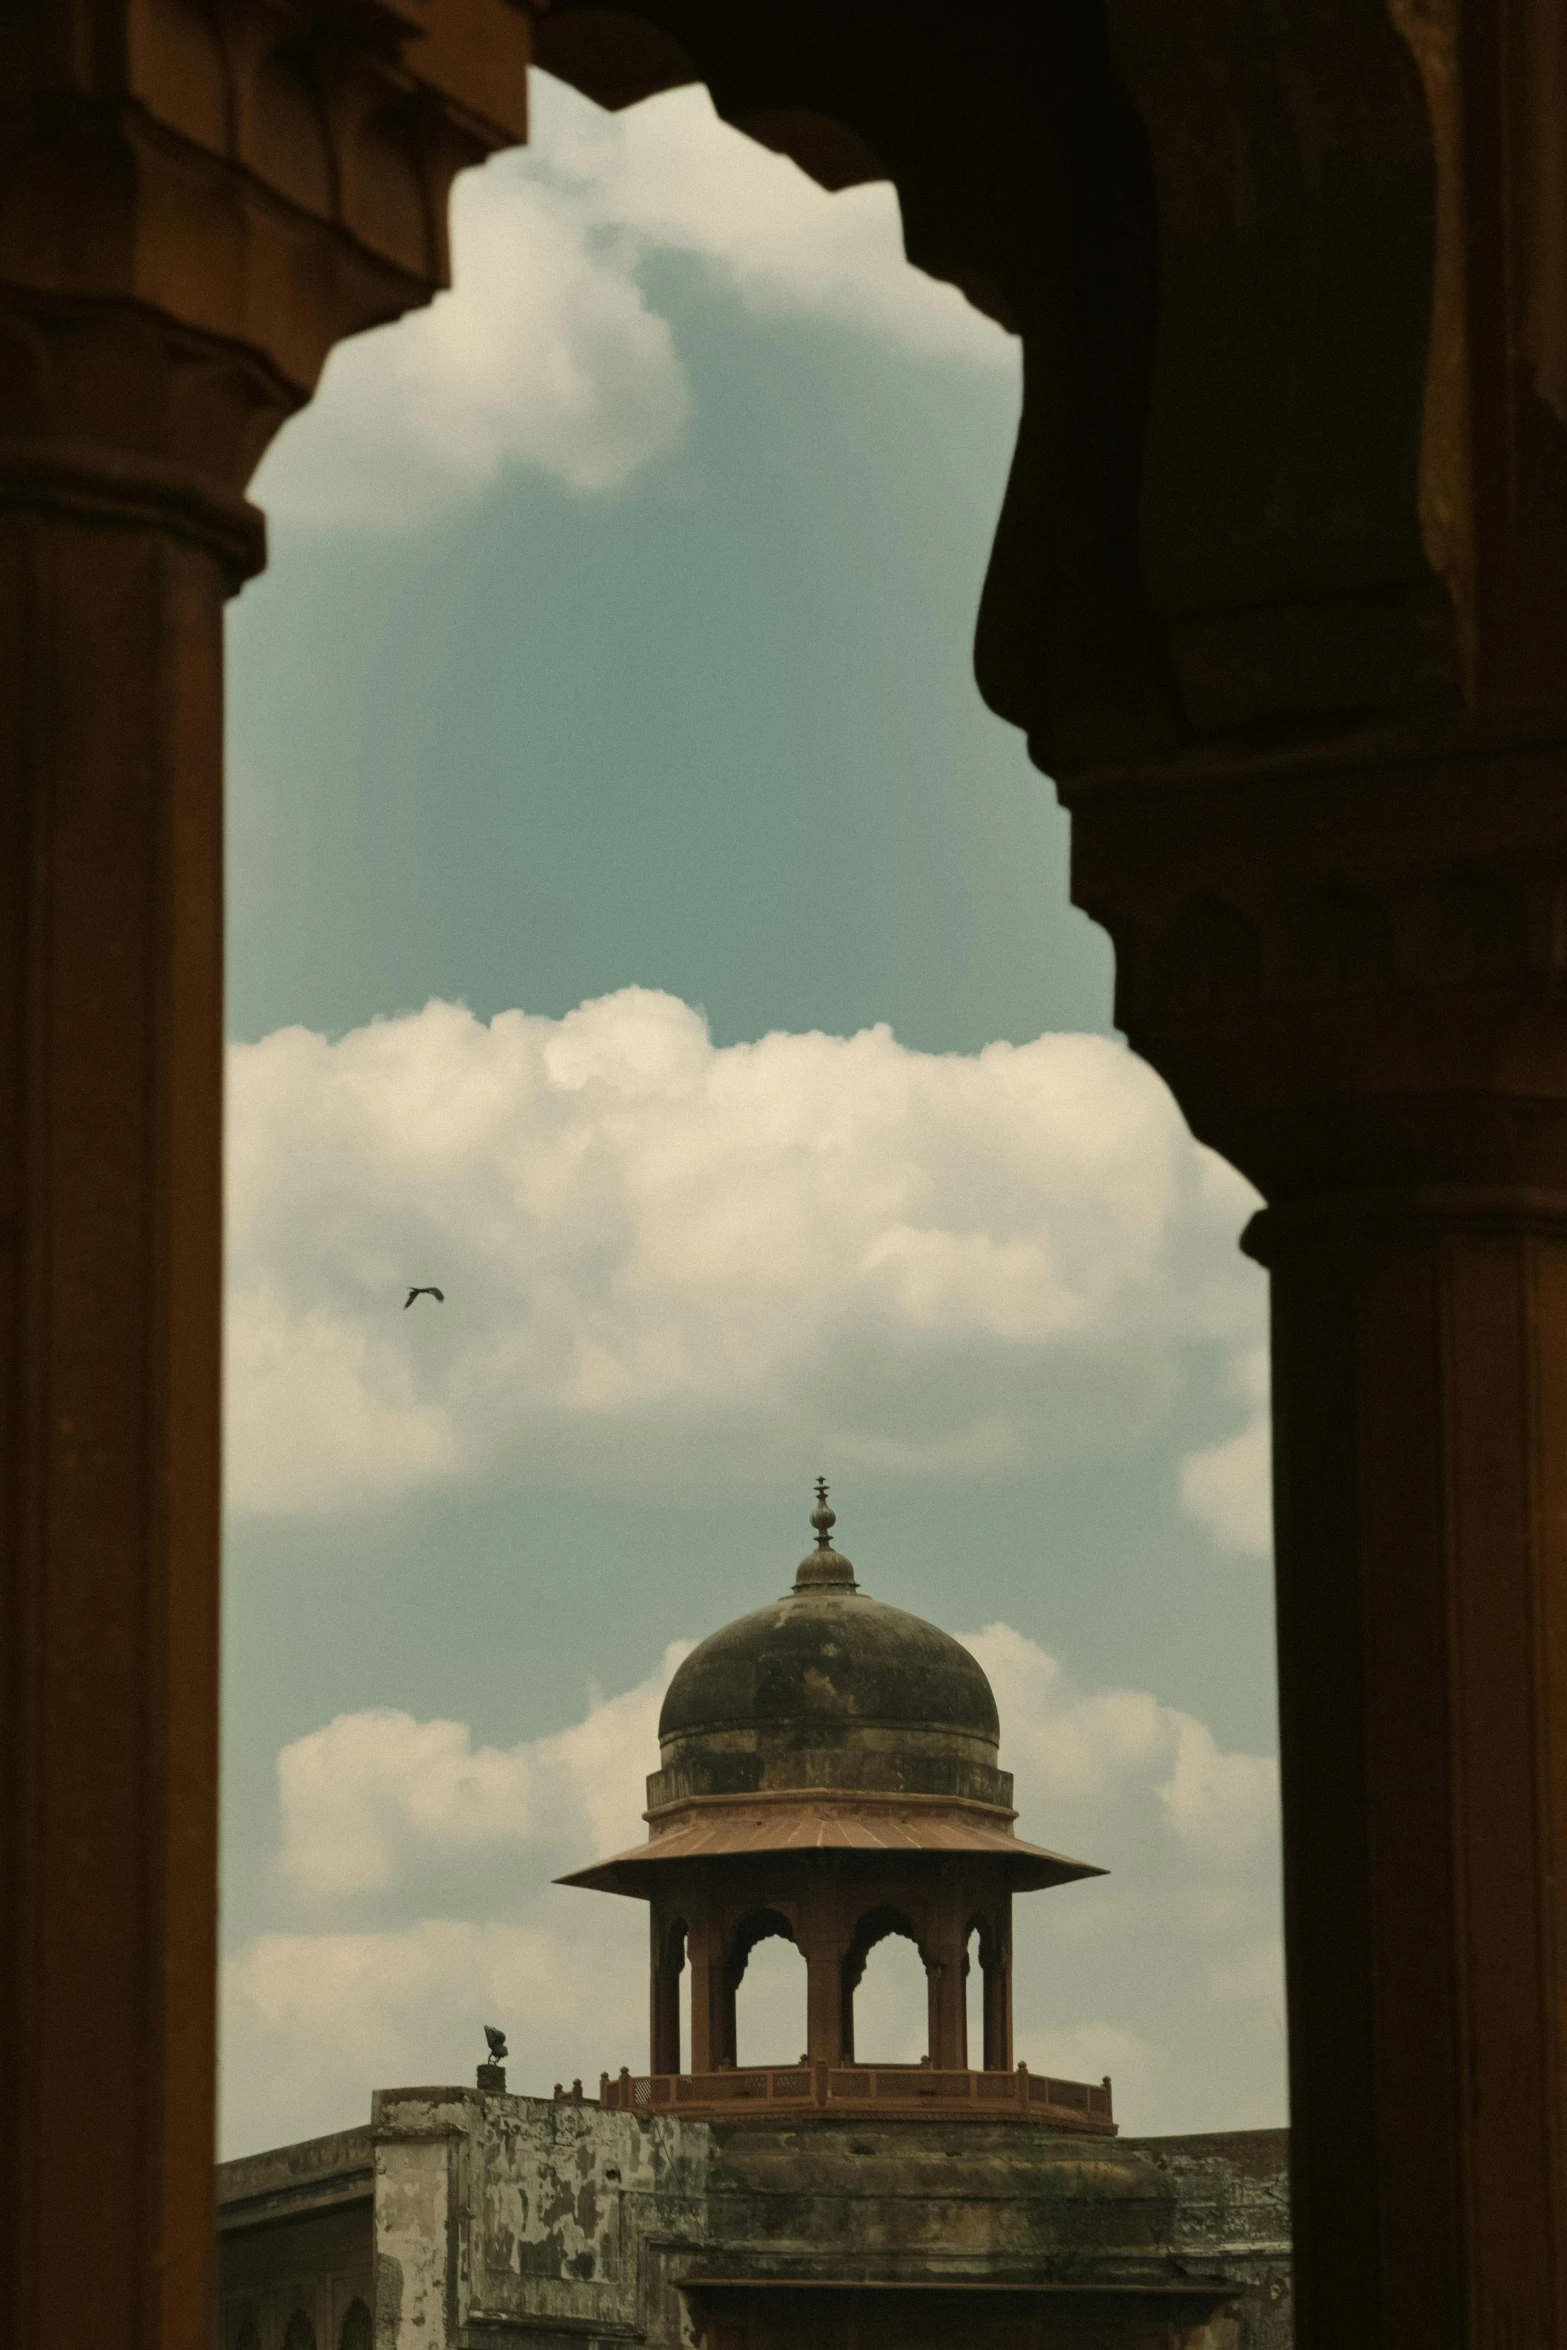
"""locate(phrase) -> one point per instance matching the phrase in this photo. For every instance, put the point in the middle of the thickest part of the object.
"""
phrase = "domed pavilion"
(828, 1773)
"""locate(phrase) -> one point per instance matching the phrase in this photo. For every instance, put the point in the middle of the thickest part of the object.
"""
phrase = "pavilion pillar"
(997, 2053)
(712, 2001)
(666, 1964)
(174, 265)
(996, 2005)
(944, 1972)
(947, 2030)
(824, 2003)
(821, 1940)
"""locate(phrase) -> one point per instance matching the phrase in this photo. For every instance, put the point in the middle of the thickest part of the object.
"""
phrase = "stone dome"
(829, 1688)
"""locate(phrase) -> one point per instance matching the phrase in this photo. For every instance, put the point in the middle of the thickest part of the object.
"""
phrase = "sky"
(639, 927)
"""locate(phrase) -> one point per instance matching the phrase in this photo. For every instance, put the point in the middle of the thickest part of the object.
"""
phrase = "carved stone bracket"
(254, 178)
(1350, 966)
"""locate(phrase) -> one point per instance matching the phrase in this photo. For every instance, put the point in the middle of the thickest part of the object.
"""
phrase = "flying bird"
(497, 2039)
(439, 1296)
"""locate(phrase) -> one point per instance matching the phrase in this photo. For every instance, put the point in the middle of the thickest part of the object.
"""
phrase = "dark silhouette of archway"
(357, 2331)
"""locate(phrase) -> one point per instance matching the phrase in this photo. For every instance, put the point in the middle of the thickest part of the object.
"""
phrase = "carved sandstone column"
(667, 1961)
(1353, 970)
(1340, 918)
(712, 2003)
(944, 1955)
(994, 1910)
(997, 2052)
(823, 1939)
(194, 204)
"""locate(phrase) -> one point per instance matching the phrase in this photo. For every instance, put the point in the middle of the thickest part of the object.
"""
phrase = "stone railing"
(895, 2091)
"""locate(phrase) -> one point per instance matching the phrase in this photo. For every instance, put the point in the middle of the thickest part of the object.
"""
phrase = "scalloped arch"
(1069, 171)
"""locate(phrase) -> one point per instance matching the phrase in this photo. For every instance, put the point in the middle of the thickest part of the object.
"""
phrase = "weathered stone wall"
(297, 2242)
(1232, 2210)
(509, 2219)
(570, 2217)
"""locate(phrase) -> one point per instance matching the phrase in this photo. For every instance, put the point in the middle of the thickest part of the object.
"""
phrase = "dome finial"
(824, 1564)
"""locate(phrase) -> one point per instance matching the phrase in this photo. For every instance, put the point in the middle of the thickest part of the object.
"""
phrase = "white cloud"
(1228, 1487)
(545, 352)
(1178, 1945)
(675, 178)
(375, 1795)
(1078, 1753)
(659, 1254)
(412, 1904)
(1219, 1803)
(314, 2021)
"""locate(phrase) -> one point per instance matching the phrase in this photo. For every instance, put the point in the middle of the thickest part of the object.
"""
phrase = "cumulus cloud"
(659, 1254)
(674, 178)
(546, 352)
(374, 1796)
(1228, 1487)
(411, 1902)
(312, 2022)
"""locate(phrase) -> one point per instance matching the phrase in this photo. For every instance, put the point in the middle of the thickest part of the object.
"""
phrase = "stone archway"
(1279, 593)
(357, 2331)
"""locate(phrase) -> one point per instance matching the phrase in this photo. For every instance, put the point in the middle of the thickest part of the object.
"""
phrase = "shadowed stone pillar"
(113, 571)
(667, 1935)
(947, 2030)
(193, 206)
(1340, 916)
(992, 1913)
(822, 1942)
(997, 2053)
(712, 2004)
(1383, 1048)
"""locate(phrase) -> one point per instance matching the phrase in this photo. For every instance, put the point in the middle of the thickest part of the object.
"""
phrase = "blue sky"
(611, 676)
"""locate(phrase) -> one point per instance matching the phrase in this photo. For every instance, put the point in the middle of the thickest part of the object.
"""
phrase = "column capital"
(1349, 963)
(198, 200)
